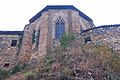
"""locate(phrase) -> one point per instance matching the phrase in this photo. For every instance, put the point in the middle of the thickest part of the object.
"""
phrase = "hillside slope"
(74, 60)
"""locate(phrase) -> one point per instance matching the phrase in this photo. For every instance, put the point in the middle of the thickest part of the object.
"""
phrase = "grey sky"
(15, 14)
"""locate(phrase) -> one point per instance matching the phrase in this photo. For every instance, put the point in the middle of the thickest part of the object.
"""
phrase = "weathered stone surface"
(8, 53)
(108, 35)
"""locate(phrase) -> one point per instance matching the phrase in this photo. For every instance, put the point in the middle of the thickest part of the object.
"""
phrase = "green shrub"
(66, 72)
(30, 76)
(49, 62)
(15, 69)
(4, 74)
(66, 39)
(18, 68)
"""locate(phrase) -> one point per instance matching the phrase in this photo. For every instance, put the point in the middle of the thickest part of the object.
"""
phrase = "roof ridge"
(59, 7)
(11, 32)
(102, 26)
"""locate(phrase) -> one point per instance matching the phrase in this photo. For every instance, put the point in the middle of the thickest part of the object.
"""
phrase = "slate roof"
(102, 26)
(60, 7)
(11, 33)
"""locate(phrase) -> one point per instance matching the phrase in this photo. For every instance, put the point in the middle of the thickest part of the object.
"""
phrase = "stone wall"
(26, 49)
(8, 51)
(109, 35)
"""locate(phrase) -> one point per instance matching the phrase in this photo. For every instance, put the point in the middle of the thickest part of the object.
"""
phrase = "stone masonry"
(9, 50)
(108, 34)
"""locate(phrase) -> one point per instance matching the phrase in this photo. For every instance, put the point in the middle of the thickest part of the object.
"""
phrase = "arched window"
(60, 28)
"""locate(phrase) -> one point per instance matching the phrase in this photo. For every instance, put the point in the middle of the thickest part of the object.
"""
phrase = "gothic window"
(14, 43)
(38, 36)
(60, 28)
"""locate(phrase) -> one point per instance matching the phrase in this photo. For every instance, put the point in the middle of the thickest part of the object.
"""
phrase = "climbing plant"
(33, 37)
(66, 39)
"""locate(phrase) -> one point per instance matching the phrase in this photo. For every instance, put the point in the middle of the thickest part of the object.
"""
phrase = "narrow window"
(57, 35)
(59, 28)
(62, 29)
(88, 39)
(6, 65)
(14, 43)
(38, 36)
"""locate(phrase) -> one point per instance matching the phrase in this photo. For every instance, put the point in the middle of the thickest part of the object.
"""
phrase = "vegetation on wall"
(4, 74)
(30, 76)
(104, 57)
(73, 60)
(92, 59)
(18, 68)
(66, 39)
(33, 36)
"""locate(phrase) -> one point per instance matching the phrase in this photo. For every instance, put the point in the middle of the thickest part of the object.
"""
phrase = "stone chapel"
(41, 34)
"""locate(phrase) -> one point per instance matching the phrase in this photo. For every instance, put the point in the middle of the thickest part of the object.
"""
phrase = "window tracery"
(60, 28)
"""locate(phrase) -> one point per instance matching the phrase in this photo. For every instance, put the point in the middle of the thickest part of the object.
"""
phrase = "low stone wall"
(105, 34)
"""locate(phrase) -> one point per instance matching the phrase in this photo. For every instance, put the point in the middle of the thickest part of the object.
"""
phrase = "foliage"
(30, 76)
(18, 68)
(107, 57)
(103, 56)
(58, 48)
(33, 36)
(49, 62)
(66, 72)
(66, 39)
(4, 74)
(98, 59)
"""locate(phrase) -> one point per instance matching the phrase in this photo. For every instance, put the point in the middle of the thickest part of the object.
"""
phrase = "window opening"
(14, 43)
(7, 64)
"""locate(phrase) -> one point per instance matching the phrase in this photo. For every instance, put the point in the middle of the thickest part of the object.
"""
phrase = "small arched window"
(60, 28)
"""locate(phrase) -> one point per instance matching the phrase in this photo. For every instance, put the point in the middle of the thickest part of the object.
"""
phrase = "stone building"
(9, 48)
(47, 26)
(44, 31)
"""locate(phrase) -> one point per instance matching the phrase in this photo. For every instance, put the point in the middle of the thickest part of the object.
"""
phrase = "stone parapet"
(109, 35)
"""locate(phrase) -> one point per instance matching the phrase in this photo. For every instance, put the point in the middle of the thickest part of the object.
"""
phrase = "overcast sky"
(15, 14)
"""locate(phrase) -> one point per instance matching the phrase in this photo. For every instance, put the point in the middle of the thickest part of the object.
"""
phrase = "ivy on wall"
(33, 37)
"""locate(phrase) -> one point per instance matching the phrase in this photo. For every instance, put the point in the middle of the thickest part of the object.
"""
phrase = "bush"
(18, 68)
(30, 76)
(66, 39)
(4, 74)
